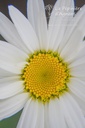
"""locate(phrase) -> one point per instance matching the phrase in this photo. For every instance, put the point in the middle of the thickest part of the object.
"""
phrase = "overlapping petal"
(9, 32)
(36, 9)
(29, 115)
(12, 59)
(77, 87)
(12, 105)
(55, 116)
(24, 29)
(59, 22)
(73, 115)
(11, 54)
(72, 47)
(10, 86)
(74, 24)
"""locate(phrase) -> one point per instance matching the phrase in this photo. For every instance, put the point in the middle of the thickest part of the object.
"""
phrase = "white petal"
(77, 62)
(46, 113)
(9, 32)
(10, 86)
(77, 87)
(59, 21)
(7, 70)
(78, 71)
(12, 59)
(11, 54)
(29, 115)
(37, 17)
(10, 106)
(4, 73)
(53, 115)
(12, 68)
(71, 49)
(56, 120)
(72, 26)
(24, 28)
(79, 59)
(72, 113)
(82, 78)
(80, 101)
(40, 118)
(82, 44)
(8, 80)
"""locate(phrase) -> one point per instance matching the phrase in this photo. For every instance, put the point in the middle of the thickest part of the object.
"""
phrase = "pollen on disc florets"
(45, 75)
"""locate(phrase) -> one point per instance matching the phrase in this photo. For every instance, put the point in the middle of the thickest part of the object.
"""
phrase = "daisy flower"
(42, 67)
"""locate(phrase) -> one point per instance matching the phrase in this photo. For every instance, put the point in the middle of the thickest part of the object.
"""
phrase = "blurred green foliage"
(10, 122)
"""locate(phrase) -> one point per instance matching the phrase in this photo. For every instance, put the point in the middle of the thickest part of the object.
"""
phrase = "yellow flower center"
(45, 76)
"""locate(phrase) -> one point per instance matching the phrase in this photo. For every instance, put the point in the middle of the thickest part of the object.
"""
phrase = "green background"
(10, 122)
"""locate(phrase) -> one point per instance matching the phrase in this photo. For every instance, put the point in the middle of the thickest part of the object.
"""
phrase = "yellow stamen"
(45, 76)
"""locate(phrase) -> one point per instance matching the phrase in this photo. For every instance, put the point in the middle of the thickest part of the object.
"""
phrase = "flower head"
(42, 67)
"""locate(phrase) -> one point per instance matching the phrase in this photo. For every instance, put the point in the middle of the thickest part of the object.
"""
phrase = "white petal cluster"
(64, 34)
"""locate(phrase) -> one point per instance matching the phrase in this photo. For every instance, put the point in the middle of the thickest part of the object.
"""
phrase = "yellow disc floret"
(45, 76)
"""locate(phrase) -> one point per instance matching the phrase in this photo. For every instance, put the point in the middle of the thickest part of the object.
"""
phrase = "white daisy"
(42, 68)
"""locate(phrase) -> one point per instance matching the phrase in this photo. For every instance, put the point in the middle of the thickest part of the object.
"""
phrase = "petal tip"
(10, 7)
(1, 13)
